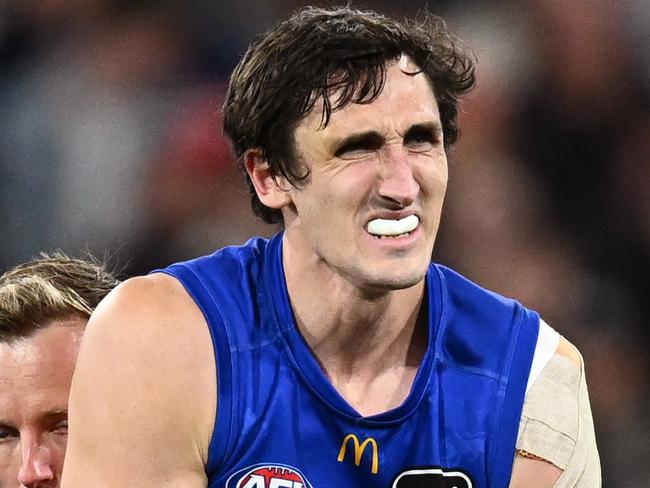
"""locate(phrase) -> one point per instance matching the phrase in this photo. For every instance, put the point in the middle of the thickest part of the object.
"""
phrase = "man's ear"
(272, 191)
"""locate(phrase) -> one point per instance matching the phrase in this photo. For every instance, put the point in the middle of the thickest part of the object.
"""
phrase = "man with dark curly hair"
(334, 354)
(44, 307)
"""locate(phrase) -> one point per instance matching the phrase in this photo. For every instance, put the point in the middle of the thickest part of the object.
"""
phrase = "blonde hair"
(50, 287)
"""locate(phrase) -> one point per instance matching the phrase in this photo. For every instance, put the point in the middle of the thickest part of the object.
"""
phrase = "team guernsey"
(280, 423)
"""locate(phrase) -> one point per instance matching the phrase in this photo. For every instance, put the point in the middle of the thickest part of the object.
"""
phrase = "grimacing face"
(35, 377)
(371, 208)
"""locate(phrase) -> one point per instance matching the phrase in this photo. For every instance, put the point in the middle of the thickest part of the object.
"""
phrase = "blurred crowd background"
(111, 143)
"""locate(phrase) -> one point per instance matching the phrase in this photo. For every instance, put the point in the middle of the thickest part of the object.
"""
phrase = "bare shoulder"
(152, 323)
(146, 356)
(146, 297)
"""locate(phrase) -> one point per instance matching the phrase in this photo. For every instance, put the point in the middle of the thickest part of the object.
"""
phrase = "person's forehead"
(36, 372)
(58, 340)
(407, 98)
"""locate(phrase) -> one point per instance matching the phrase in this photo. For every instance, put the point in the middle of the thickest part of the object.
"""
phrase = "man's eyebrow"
(54, 414)
(432, 127)
(369, 139)
(372, 139)
(48, 416)
(4, 424)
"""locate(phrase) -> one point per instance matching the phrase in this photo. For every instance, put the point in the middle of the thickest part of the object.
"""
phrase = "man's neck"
(367, 343)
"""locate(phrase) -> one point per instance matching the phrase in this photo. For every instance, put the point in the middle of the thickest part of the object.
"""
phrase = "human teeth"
(388, 227)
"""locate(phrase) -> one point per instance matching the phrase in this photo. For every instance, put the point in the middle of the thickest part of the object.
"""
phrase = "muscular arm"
(143, 396)
(532, 471)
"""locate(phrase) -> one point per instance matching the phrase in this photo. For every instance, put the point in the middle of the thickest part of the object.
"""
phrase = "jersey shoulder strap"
(484, 333)
(227, 287)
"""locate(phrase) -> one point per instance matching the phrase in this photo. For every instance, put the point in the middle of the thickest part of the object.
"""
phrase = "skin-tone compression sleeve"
(557, 426)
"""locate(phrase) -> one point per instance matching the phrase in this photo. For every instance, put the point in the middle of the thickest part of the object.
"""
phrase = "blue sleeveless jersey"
(280, 423)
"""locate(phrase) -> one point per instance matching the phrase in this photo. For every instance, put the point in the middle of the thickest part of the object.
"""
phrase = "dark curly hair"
(338, 56)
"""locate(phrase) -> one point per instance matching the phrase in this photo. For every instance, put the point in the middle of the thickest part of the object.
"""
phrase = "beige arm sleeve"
(556, 424)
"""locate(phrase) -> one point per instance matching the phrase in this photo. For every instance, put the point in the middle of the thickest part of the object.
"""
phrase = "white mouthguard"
(386, 227)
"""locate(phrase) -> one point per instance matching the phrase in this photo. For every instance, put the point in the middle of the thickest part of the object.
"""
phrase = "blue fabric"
(280, 422)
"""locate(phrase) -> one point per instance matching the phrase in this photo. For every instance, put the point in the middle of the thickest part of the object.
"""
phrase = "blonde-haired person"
(44, 307)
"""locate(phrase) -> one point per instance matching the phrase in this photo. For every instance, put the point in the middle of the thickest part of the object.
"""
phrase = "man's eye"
(354, 150)
(61, 428)
(420, 139)
(7, 434)
(359, 145)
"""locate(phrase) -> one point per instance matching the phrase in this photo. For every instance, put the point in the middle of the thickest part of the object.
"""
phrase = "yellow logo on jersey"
(358, 451)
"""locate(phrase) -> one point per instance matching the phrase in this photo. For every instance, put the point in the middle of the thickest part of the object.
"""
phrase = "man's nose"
(397, 181)
(36, 469)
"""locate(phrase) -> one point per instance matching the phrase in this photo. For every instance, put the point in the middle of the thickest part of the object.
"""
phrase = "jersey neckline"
(304, 360)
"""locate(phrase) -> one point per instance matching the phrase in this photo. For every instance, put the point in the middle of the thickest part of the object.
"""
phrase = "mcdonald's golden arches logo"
(358, 451)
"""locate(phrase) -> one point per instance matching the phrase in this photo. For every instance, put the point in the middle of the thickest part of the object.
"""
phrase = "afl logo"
(268, 476)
